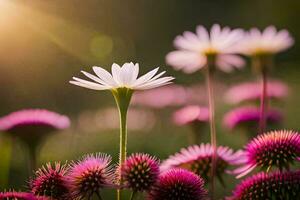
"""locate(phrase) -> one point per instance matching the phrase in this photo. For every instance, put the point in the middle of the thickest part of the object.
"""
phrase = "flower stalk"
(122, 97)
(32, 153)
(213, 137)
(262, 63)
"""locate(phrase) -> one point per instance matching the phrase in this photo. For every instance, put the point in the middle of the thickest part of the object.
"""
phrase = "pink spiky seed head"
(276, 185)
(178, 184)
(50, 181)
(140, 171)
(12, 195)
(278, 148)
(89, 175)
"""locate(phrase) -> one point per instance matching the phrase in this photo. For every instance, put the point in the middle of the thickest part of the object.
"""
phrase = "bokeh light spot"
(101, 46)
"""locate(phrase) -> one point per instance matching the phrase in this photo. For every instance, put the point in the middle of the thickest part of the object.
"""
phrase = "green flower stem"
(263, 104)
(6, 144)
(122, 97)
(32, 153)
(132, 196)
(213, 137)
(262, 63)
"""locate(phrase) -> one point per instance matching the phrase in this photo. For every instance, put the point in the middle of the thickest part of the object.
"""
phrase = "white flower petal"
(93, 77)
(104, 75)
(186, 60)
(146, 77)
(155, 83)
(89, 86)
(116, 70)
(202, 34)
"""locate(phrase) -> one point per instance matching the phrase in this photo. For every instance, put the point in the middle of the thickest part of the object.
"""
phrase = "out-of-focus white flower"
(268, 41)
(194, 48)
(122, 77)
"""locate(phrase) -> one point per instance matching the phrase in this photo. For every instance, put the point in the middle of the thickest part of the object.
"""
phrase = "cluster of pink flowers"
(184, 175)
(88, 176)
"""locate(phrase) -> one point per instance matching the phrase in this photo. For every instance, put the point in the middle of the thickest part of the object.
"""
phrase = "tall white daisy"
(122, 77)
(268, 41)
(195, 48)
(122, 82)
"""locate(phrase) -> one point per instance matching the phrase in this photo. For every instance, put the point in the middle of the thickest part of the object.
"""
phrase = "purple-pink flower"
(88, 176)
(249, 116)
(190, 114)
(278, 148)
(140, 172)
(33, 124)
(50, 181)
(276, 185)
(251, 91)
(178, 184)
(198, 159)
(12, 195)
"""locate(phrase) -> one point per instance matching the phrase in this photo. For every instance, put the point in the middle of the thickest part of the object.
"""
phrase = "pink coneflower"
(88, 176)
(178, 184)
(50, 181)
(248, 116)
(140, 172)
(31, 126)
(276, 185)
(198, 159)
(190, 114)
(195, 48)
(16, 196)
(196, 117)
(251, 91)
(276, 148)
(33, 121)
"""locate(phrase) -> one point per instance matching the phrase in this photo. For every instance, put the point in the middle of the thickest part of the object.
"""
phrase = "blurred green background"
(43, 43)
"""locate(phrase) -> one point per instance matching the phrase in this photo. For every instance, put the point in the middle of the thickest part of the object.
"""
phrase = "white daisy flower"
(122, 77)
(269, 41)
(194, 48)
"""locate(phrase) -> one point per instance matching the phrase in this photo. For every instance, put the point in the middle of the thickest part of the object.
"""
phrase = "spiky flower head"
(198, 159)
(251, 91)
(249, 116)
(276, 185)
(50, 181)
(33, 124)
(195, 49)
(89, 175)
(278, 148)
(12, 195)
(191, 114)
(140, 171)
(178, 184)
